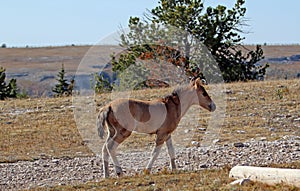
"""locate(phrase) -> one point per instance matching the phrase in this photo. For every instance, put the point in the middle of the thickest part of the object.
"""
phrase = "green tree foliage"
(124, 61)
(218, 28)
(63, 87)
(9, 90)
(134, 73)
(100, 84)
(133, 78)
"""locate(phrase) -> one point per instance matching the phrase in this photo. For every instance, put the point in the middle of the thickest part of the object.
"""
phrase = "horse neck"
(187, 99)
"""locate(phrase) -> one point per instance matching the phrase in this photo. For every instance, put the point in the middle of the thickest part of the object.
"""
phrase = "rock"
(263, 138)
(297, 119)
(232, 99)
(239, 144)
(203, 166)
(56, 161)
(228, 91)
(272, 129)
(186, 131)
(241, 131)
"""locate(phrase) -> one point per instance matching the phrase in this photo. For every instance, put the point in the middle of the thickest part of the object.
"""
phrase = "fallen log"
(266, 175)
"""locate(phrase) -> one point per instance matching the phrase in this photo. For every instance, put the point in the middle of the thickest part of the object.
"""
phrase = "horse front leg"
(160, 139)
(171, 152)
(154, 156)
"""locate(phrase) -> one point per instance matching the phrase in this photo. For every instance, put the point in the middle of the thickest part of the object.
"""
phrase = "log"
(267, 175)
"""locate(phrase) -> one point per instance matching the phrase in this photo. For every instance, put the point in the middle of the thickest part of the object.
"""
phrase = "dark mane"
(174, 97)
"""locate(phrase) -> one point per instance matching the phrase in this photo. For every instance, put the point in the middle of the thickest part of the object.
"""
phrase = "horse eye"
(204, 93)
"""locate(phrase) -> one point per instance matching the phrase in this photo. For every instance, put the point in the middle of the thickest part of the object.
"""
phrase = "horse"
(161, 117)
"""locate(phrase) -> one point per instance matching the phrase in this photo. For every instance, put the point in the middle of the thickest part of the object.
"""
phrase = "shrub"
(10, 90)
(63, 87)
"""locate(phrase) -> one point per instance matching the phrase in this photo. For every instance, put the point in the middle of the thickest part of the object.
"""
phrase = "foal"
(160, 117)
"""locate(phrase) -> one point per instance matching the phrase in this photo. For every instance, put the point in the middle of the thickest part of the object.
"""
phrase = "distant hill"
(36, 68)
(284, 59)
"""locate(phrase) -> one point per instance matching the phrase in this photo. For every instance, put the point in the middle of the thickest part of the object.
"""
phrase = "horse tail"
(101, 120)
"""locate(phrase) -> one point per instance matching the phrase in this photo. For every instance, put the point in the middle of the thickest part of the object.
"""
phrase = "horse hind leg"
(105, 158)
(105, 152)
(112, 145)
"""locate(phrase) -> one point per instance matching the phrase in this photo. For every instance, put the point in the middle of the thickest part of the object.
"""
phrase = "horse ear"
(200, 82)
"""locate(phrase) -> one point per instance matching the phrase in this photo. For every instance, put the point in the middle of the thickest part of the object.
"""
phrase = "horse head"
(203, 98)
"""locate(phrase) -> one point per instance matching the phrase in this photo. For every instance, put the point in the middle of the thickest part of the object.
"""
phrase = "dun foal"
(160, 117)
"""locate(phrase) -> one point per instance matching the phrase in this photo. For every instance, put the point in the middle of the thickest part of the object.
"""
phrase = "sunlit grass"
(32, 128)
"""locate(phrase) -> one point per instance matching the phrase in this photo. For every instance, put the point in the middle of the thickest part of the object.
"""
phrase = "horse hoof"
(147, 171)
(119, 174)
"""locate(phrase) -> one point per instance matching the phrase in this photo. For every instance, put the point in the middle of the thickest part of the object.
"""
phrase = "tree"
(218, 29)
(135, 71)
(101, 84)
(10, 90)
(63, 87)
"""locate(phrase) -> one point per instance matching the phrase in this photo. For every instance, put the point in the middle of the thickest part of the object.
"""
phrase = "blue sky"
(65, 22)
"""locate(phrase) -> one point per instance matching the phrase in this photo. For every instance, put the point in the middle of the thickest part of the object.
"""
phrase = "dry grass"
(45, 127)
(262, 109)
(35, 128)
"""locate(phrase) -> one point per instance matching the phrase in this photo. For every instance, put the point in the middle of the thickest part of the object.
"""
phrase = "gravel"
(49, 172)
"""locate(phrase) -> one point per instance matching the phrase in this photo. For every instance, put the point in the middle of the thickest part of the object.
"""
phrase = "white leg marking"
(111, 147)
(171, 153)
(105, 158)
(154, 156)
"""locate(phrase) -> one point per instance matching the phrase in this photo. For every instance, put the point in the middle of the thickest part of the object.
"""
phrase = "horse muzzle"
(212, 107)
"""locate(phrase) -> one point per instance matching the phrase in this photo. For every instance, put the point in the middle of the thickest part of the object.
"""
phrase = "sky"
(66, 22)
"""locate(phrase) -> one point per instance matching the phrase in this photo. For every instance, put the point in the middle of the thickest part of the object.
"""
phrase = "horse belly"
(145, 128)
(150, 126)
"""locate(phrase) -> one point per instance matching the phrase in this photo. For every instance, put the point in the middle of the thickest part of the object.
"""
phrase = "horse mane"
(179, 89)
(174, 97)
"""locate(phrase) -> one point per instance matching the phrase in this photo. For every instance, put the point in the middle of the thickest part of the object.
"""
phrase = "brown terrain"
(36, 68)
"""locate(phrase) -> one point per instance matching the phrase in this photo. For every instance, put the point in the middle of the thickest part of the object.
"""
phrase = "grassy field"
(45, 128)
(38, 127)
(33, 128)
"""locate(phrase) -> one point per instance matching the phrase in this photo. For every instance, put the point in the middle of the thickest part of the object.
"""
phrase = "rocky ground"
(47, 172)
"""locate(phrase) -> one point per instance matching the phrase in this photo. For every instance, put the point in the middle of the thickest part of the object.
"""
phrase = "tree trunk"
(267, 175)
